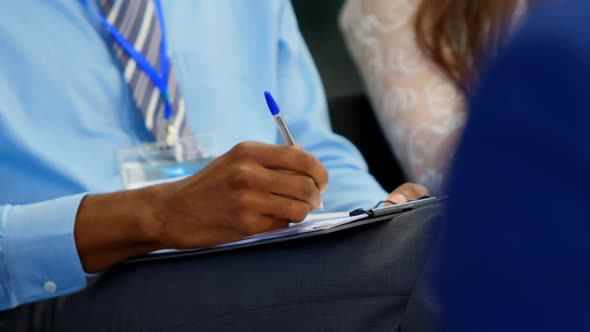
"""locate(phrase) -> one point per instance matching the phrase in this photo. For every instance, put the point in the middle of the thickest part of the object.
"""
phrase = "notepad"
(313, 222)
(313, 225)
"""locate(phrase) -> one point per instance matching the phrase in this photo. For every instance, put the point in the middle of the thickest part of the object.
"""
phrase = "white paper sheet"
(313, 222)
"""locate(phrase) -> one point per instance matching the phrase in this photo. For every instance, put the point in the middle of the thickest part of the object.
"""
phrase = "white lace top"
(419, 108)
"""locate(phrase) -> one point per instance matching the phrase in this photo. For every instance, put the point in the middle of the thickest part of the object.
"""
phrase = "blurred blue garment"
(65, 109)
(516, 252)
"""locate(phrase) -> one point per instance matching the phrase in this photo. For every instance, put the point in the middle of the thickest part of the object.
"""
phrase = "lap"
(358, 279)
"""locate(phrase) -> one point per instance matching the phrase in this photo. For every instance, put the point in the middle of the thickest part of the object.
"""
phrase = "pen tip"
(272, 104)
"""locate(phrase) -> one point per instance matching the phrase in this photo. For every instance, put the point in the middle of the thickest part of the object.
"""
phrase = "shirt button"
(50, 286)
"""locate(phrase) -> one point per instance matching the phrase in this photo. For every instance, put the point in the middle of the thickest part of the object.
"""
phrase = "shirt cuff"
(39, 250)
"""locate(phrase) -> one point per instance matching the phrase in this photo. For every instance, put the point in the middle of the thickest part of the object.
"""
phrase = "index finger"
(286, 158)
(410, 191)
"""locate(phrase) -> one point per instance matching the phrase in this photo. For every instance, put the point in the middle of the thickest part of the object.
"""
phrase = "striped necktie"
(138, 22)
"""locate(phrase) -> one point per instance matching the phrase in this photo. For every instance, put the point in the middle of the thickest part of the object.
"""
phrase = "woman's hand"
(407, 192)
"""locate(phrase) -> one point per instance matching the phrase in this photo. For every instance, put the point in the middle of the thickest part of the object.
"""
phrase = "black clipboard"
(377, 214)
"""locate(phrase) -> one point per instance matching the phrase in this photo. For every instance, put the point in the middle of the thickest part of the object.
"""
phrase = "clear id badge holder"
(154, 163)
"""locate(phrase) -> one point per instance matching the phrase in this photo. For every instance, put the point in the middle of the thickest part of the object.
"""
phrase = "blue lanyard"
(159, 80)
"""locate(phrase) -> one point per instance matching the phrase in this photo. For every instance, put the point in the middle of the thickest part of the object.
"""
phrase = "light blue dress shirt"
(65, 109)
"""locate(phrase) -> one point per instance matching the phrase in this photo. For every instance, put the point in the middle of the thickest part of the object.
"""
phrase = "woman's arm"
(419, 108)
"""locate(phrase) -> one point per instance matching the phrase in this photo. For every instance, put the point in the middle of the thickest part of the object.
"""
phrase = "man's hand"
(253, 188)
(407, 192)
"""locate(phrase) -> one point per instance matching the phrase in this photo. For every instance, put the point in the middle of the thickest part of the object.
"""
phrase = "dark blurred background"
(318, 20)
(350, 110)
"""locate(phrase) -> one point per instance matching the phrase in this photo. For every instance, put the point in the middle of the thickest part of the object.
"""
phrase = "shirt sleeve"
(301, 93)
(38, 255)
(420, 110)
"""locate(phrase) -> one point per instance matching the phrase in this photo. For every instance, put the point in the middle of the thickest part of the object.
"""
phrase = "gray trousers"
(362, 279)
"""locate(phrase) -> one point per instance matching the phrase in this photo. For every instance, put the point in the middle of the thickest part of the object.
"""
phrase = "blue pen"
(282, 125)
